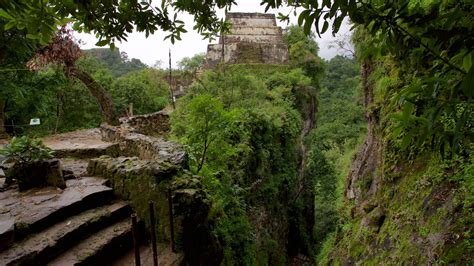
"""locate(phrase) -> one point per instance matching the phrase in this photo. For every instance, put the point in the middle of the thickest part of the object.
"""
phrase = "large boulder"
(37, 174)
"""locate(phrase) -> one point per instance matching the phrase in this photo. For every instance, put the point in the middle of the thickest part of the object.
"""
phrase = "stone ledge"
(260, 30)
(253, 38)
(250, 15)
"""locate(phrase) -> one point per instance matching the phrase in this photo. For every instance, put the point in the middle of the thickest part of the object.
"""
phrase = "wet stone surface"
(7, 235)
(80, 144)
(32, 206)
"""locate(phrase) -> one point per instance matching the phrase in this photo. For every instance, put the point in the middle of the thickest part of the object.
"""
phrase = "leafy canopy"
(110, 20)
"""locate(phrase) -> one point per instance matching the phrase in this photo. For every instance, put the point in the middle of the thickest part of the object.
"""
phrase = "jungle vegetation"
(409, 89)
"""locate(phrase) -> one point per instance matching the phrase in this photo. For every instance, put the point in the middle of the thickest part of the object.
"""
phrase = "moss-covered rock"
(37, 174)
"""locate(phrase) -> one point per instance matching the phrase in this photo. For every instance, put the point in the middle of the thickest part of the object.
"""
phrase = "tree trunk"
(104, 100)
(3, 131)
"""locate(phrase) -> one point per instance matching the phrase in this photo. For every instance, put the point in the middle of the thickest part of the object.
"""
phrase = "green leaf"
(405, 141)
(102, 43)
(10, 24)
(467, 62)
(32, 36)
(303, 16)
(467, 85)
(308, 24)
(337, 24)
(327, 3)
(4, 14)
(334, 8)
(325, 27)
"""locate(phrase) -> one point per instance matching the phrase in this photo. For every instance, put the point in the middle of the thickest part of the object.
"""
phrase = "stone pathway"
(85, 139)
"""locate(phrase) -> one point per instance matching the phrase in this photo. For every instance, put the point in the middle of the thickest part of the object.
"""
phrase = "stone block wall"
(251, 19)
(154, 124)
(133, 140)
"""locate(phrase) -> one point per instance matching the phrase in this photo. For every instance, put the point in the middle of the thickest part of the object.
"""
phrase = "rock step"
(76, 202)
(40, 248)
(111, 149)
(234, 38)
(101, 248)
(262, 30)
(36, 209)
(85, 143)
(75, 165)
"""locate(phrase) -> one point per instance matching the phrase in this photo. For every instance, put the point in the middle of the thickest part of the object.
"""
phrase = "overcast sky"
(154, 48)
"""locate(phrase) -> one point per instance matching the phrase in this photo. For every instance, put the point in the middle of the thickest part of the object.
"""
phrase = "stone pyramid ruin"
(253, 38)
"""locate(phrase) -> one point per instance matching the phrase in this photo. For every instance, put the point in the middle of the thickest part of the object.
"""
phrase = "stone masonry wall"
(143, 136)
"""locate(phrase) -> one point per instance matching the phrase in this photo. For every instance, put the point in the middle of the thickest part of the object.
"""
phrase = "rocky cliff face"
(412, 210)
(363, 180)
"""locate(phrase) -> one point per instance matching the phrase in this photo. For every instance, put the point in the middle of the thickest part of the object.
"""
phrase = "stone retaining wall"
(154, 124)
(144, 136)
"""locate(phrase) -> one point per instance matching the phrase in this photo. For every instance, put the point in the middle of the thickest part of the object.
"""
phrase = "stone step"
(80, 144)
(40, 248)
(36, 209)
(247, 30)
(75, 165)
(235, 38)
(100, 248)
(111, 149)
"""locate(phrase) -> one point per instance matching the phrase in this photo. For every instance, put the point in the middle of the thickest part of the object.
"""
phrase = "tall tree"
(63, 51)
(15, 50)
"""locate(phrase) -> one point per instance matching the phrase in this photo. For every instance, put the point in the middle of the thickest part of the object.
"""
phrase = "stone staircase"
(84, 224)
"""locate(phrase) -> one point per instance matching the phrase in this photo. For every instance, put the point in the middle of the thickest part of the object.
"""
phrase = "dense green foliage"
(303, 51)
(242, 127)
(146, 89)
(192, 63)
(111, 21)
(434, 79)
(116, 62)
(241, 130)
(26, 150)
(339, 127)
(65, 105)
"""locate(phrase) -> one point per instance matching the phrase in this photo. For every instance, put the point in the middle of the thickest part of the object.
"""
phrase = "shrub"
(26, 150)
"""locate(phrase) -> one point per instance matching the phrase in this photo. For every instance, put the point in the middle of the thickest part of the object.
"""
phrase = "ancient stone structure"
(253, 38)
